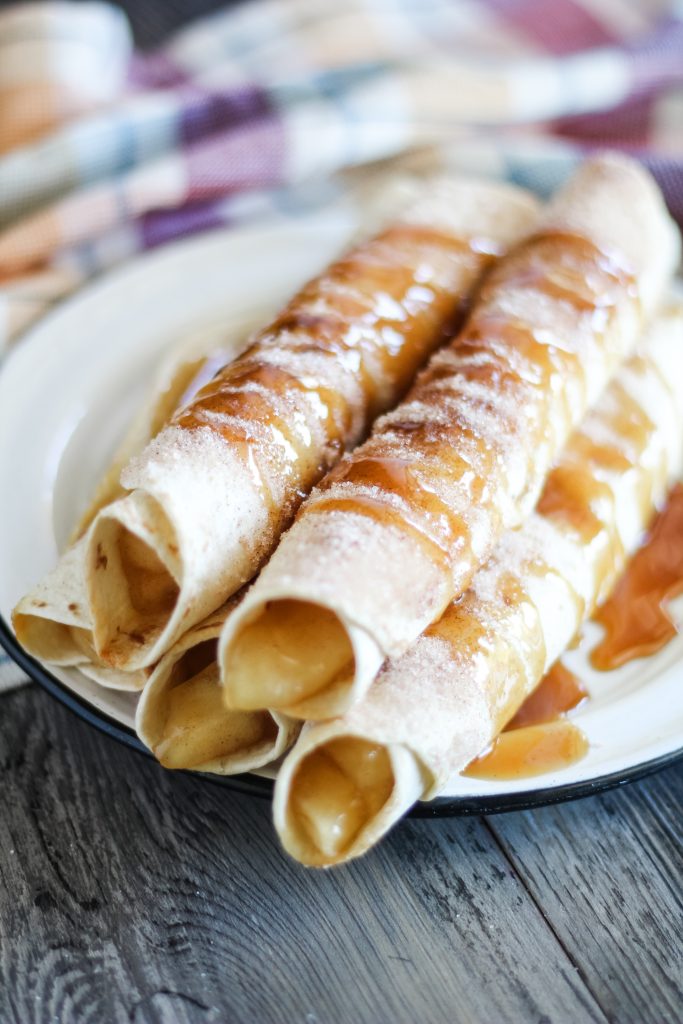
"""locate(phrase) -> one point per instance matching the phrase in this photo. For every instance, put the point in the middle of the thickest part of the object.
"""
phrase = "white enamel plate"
(66, 394)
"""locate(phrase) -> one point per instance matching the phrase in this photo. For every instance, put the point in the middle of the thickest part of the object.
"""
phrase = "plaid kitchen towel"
(275, 105)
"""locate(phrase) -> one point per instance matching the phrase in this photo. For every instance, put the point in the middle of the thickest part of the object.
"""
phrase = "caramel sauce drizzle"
(636, 625)
(445, 451)
(538, 739)
(559, 691)
(579, 499)
(365, 326)
(577, 494)
(635, 617)
(436, 526)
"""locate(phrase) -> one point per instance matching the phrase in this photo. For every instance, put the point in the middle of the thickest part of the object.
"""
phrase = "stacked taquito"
(431, 711)
(399, 528)
(181, 716)
(53, 622)
(211, 494)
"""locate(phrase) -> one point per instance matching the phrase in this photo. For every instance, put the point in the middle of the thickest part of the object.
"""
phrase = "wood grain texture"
(608, 875)
(132, 894)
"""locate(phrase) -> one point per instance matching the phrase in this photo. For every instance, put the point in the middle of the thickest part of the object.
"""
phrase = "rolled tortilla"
(53, 622)
(431, 711)
(182, 719)
(179, 380)
(399, 528)
(212, 493)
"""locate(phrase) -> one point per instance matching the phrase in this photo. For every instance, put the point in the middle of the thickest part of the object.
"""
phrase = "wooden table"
(129, 894)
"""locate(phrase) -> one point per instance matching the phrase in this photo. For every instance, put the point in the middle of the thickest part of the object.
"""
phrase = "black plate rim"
(255, 785)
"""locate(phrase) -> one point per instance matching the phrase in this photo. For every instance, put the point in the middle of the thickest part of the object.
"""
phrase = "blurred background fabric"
(265, 107)
(270, 107)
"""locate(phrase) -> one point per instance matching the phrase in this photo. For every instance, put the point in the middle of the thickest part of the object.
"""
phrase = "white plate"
(69, 388)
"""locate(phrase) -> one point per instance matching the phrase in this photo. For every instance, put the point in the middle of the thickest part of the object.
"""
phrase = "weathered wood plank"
(608, 874)
(135, 895)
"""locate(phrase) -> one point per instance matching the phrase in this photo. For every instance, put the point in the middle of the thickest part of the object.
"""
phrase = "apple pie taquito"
(400, 526)
(211, 494)
(439, 705)
(181, 716)
(52, 622)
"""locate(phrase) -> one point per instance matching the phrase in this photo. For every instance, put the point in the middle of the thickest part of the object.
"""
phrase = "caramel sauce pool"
(635, 618)
(539, 738)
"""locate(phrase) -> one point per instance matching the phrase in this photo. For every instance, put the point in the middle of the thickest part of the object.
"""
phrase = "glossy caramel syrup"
(538, 739)
(635, 617)
(577, 495)
(345, 348)
(440, 459)
(579, 501)
(558, 692)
